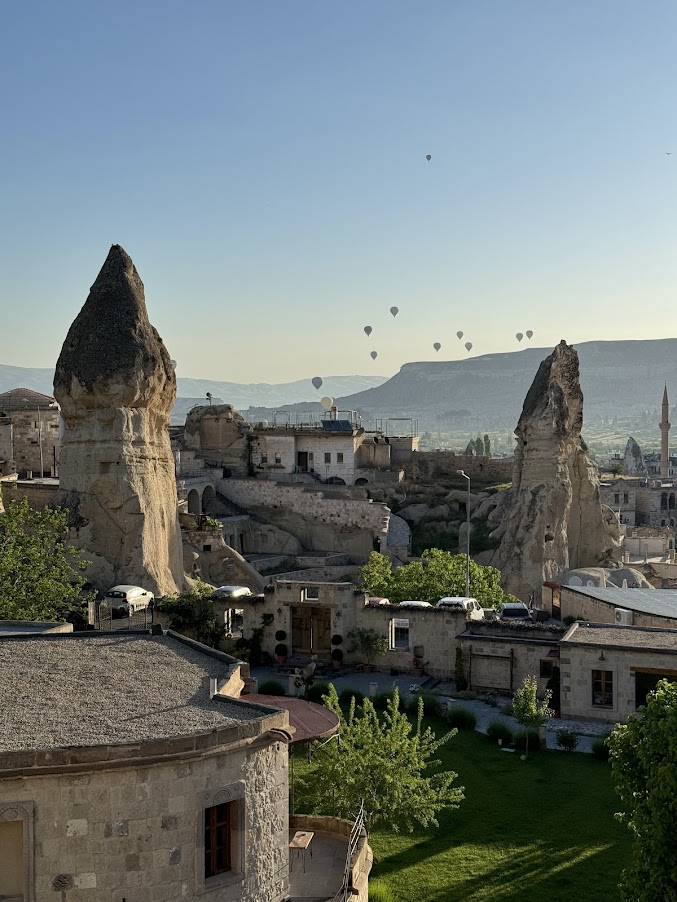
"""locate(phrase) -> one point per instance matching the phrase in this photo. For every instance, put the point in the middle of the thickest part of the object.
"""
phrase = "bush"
(569, 620)
(461, 718)
(281, 650)
(346, 695)
(497, 729)
(600, 749)
(280, 636)
(382, 698)
(271, 687)
(316, 691)
(520, 740)
(431, 704)
(491, 699)
(336, 654)
(567, 740)
(508, 709)
(379, 892)
(336, 639)
(467, 694)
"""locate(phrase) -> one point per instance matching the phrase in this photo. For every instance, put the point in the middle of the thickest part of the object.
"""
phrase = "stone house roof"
(25, 399)
(603, 635)
(657, 602)
(80, 689)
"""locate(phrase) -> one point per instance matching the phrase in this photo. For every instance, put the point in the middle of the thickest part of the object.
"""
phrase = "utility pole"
(467, 553)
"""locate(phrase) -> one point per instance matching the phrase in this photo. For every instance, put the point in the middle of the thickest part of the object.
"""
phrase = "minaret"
(665, 428)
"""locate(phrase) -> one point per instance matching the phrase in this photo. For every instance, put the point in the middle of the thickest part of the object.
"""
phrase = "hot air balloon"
(326, 402)
(373, 355)
(428, 157)
(468, 346)
(519, 336)
(437, 345)
(459, 335)
(317, 382)
(529, 334)
(368, 330)
(394, 310)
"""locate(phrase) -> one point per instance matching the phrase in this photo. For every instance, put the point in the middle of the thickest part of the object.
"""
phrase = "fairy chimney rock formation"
(553, 519)
(116, 386)
(633, 461)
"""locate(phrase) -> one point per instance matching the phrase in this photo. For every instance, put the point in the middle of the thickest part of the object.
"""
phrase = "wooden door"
(321, 631)
(301, 630)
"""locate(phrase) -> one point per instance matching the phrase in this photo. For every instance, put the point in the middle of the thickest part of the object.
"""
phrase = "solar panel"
(337, 426)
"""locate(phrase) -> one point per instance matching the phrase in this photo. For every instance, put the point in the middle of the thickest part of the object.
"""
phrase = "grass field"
(529, 831)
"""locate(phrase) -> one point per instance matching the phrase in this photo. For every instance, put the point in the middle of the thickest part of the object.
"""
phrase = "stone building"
(29, 433)
(607, 670)
(125, 773)
(611, 604)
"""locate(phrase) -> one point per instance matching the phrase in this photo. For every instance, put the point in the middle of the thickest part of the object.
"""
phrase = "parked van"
(124, 600)
(472, 607)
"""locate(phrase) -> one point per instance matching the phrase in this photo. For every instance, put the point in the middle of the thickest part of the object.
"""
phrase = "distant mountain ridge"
(240, 395)
(617, 377)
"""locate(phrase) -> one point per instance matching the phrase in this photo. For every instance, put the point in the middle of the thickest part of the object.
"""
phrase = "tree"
(40, 572)
(479, 445)
(528, 711)
(438, 574)
(487, 446)
(644, 771)
(192, 613)
(368, 643)
(387, 762)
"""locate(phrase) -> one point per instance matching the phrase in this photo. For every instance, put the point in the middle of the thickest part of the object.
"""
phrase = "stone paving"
(323, 872)
(371, 683)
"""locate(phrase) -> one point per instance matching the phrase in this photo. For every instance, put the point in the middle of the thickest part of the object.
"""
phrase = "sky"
(264, 164)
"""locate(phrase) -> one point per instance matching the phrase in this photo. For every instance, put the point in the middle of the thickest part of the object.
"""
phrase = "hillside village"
(270, 530)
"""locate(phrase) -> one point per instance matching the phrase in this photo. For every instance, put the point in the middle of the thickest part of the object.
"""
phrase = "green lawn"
(528, 831)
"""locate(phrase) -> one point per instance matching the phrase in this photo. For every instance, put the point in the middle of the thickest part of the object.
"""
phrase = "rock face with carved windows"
(552, 519)
(115, 384)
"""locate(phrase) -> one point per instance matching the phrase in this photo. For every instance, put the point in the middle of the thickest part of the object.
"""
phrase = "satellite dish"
(459, 335)
(468, 346)
(327, 402)
(529, 334)
(394, 310)
(437, 345)
(317, 382)
(428, 157)
(373, 355)
(519, 336)
(368, 330)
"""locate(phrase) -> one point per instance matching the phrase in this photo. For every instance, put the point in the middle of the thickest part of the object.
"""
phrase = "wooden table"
(299, 843)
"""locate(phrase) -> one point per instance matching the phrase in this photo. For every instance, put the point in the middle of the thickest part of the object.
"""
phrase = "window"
(278, 457)
(339, 457)
(218, 852)
(310, 593)
(17, 876)
(104, 467)
(264, 458)
(602, 688)
(311, 457)
(546, 668)
(327, 457)
(399, 633)
(626, 498)
(617, 498)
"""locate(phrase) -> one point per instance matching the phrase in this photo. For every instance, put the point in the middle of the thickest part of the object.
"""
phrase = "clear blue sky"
(264, 164)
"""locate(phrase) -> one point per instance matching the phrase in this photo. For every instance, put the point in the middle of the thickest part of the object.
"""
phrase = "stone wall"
(103, 832)
(439, 464)
(362, 860)
(497, 658)
(38, 493)
(31, 431)
(319, 523)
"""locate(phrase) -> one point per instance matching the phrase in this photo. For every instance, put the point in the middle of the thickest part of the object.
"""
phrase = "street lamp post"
(467, 536)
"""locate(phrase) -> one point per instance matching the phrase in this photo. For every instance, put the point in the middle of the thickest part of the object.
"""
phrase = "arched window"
(193, 502)
(664, 501)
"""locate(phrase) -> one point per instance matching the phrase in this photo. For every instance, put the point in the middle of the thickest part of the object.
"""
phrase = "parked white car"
(414, 604)
(124, 600)
(473, 609)
(224, 592)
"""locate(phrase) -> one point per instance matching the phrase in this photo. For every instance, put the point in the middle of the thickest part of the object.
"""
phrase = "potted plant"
(369, 644)
(281, 653)
(336, 658)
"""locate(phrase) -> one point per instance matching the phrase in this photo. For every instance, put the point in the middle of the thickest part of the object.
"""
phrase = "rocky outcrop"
(633, 461)
(551, 520)
(116, 386)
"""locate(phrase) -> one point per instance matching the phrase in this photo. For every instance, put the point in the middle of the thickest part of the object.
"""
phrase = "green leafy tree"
(368, 643)
(438, 574)
(192, 613)
(388, 761)
(40, 572)
(644, 770)
(479, 446)
(487, 446)
(528, 711)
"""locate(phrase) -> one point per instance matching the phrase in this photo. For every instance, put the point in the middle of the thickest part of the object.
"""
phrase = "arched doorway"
(193, 502)
(208, 497)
